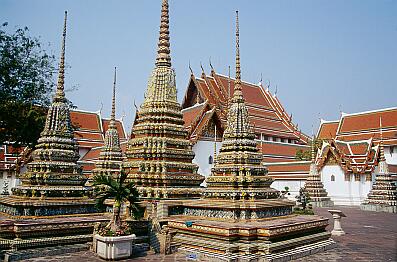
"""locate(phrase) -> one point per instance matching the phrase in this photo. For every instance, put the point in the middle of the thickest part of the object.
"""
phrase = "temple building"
(348, 160)
(205, 105)
(240, 217)
(159, 153)
(53, 183)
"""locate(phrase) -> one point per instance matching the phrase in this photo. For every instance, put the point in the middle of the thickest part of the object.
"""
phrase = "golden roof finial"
(113, 115)
(382, 149)
(60, 93)
(163, 51)
(237, 82)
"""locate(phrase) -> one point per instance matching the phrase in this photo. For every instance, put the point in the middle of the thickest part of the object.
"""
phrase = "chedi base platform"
(265, 230)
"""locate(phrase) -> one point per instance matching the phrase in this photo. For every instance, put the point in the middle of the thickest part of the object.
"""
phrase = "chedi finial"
(381, 147)
(113, 115)
(60, 93)
(163, 51)
(237, 82)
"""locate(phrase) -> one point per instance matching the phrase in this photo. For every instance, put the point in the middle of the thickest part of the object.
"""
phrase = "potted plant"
(115, 240)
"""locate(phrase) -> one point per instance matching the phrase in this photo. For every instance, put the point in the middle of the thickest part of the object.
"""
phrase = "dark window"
(210, 160)
(332, 178)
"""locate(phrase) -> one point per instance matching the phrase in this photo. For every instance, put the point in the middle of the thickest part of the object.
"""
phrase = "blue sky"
(324, 56)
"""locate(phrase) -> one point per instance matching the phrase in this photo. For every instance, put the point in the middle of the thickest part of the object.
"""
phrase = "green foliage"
(26, 82)
(303, 198)
(307, 154)
(108, 187)
(301, 211)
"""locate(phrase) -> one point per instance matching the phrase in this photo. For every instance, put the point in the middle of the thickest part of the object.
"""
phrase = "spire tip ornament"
(60, 93)
(112, 123)
(163, 51)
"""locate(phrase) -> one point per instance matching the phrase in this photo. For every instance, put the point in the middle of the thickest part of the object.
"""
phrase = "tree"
(26, 82)
(121, 192)
(307, 154)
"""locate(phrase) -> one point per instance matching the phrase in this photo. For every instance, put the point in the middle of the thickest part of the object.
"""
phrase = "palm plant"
(117, 189)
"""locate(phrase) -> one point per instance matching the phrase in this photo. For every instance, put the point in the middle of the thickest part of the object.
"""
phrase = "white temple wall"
(343, 192)
(203, 150)
(293, 185)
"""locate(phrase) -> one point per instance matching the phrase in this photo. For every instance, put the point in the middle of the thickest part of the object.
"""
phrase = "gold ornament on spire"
(163, 51)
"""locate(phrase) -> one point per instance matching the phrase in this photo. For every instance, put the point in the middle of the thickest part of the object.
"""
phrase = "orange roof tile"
(281, 149)
(328, 130)
(119, 126)
(293, 167)
(93, 154)
(191, 114)
(85, 120)
(368, 121)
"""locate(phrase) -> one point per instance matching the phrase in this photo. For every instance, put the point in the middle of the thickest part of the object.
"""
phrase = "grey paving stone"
(370, 236)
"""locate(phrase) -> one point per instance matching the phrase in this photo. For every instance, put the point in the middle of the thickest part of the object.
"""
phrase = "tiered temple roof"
(353, 140)
(358, 157)
(205, 105)
(159, 154)
(362, 126)
(207, 96)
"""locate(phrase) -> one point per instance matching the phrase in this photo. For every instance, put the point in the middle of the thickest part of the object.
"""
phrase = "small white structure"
(113, 247)
(337, 216)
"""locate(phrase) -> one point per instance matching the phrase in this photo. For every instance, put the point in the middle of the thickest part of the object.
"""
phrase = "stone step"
(43, 252)
(19, 244)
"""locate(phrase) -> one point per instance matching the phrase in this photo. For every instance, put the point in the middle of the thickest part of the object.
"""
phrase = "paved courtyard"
(370, 236)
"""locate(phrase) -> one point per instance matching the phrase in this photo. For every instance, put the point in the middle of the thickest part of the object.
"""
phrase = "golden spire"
(60, 93)
(163, 51)
(237, 82)
(381, 149)
(113, 115)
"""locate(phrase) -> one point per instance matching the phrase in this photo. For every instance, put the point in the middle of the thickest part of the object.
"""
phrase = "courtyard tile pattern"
(370, 236)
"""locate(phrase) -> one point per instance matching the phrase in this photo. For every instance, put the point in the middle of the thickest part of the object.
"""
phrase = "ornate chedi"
(240, 217)
(383, 195)
(53, 183)
(159, 154)
(238, 173)
(111, 156)
(314, 187)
